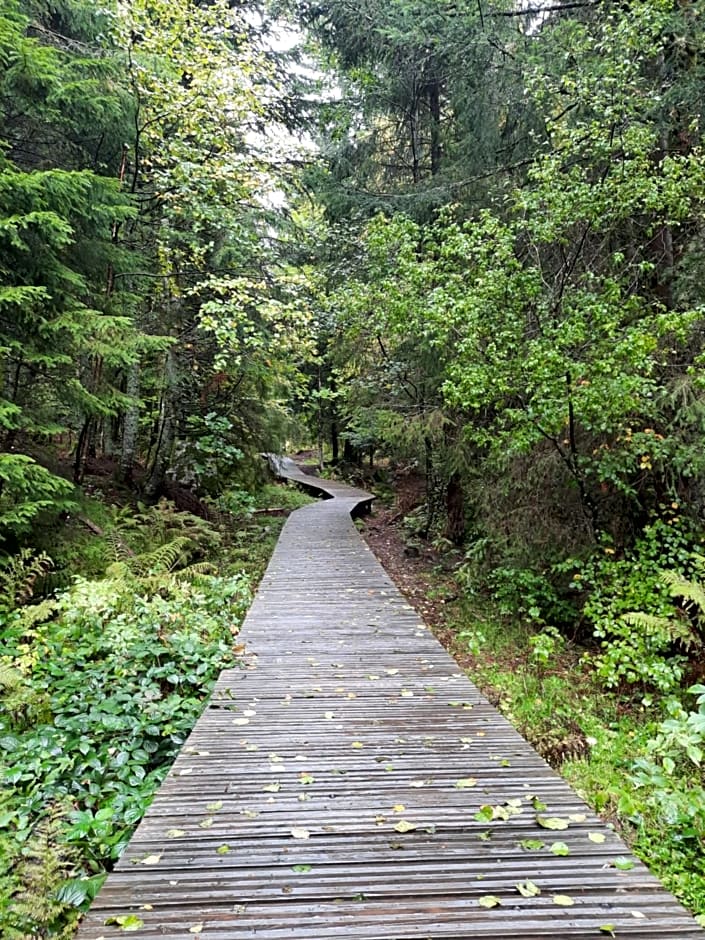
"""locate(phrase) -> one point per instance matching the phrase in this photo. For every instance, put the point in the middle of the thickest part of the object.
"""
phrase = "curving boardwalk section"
(351, 782)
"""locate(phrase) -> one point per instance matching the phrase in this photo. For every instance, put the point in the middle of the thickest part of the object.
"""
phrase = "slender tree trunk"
(333, 411)
(335, 441)
(130, 425)
(666, 261)
(454, 494)
(79, 461)
(414, 140)
(167, 430)
(162, 457)
(320, 421)
(434, 104)
(430, 485)
(588, 504)
(455, 509)
(11, 391)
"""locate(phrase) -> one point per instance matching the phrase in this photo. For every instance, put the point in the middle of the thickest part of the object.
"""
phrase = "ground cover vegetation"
(102, 680)
(485, 265)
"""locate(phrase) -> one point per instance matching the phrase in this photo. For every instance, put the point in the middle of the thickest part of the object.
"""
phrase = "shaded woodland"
(460, 243)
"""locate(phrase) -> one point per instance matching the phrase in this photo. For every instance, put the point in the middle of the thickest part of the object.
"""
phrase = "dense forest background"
(464, 240)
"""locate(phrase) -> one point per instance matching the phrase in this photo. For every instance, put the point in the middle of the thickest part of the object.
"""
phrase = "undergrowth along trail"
(634, 757)
(101, 683)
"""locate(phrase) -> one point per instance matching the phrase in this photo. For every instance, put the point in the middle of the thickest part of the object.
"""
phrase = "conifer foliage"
(133, 254)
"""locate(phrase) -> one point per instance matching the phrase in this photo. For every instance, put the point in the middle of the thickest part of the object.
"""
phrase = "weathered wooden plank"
(351, 782)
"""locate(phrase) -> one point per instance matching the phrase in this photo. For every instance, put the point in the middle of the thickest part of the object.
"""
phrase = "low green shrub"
(108, 689)
(648, 651)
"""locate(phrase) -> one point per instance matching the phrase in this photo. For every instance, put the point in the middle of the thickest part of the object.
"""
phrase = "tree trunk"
(160, 466)
(335, 441)
(430, 488)
(350, 453)
(84, 439)
(11, 390)
(414, 142)
(167, 430)
(130, 426)
(455, 509)
(434, 104)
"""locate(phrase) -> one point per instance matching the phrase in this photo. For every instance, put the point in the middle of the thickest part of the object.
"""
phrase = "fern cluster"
(19, 575)
(32, 905)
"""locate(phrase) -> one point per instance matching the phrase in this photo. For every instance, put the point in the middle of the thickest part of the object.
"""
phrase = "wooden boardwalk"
(351, 782)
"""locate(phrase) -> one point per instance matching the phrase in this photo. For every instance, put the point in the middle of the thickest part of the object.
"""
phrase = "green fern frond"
(19, 575)
(164, 558)
(692, 591)
(648, 623)
(197, 570)
(117, 544)
(671, 629)
(44, 865)
(120, 573)
(34, 614)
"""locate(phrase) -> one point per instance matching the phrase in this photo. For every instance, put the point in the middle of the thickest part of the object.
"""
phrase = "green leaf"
(560, 848)
(552, 822)
(531, 845)
(489, 901)
(527, 889)
(126, 922)
(73, 892)
(151, 859)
